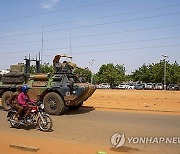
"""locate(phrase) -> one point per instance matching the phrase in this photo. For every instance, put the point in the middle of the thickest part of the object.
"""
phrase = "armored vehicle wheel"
(76, 107)
(53, 103)
(5, 98)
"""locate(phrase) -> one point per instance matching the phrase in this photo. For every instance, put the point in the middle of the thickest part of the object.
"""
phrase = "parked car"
(122, 86)
(171, 87)
(149, 86)
(158, 86)
(104, 86)
(114, 86)
(177, 87)
(139, 86)
(130, 86)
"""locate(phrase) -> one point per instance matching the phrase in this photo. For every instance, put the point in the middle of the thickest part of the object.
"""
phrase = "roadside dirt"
(46, 146)
(150, 101)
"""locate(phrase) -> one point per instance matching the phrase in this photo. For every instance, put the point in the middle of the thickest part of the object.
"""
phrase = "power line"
(56, 11)
(127, 31)
(114, 22)
(104, 44)
(135, 41)
(114, 43)
(101, 34)
(15, 43)
(101, 17)
(123, 49)
(15, 1)
(22, 51)
(171, 45)
(106, 23)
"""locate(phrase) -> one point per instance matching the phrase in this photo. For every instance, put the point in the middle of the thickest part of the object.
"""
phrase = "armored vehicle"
(59, 90)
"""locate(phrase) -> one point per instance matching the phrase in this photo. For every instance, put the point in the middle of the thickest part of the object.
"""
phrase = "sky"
(127, 32)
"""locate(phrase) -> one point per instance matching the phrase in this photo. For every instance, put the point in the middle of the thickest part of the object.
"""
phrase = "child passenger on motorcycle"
(24, 99)
(13, 102)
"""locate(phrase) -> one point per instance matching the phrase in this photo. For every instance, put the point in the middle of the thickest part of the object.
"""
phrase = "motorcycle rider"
(23, 99)
(13, 102)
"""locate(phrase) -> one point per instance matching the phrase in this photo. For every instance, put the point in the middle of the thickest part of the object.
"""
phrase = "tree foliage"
(155, 73)
(115, 74)
(83, 74)
(45, 68)
(109, 73)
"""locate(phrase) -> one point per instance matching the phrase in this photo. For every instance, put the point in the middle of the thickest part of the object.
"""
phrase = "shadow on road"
(82, 110)
(26, 127)
(30, 127)
(124, 149)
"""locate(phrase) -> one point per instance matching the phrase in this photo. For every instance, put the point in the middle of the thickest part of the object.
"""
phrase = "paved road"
(96, 127)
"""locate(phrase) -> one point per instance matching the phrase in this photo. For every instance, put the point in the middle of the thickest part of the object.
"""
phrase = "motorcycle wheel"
(12, 122)
(47, 125)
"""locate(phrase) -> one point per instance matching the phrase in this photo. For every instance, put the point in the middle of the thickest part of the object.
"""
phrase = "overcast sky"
(129, 32)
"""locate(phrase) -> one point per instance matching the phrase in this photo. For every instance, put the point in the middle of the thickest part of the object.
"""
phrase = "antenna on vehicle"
(70, 45)
(42, 47)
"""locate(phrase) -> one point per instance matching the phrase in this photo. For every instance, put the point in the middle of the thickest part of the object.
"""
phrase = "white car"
(149, 86)
(104, 86)
(122, 86)
(130, 86)
(158, 86)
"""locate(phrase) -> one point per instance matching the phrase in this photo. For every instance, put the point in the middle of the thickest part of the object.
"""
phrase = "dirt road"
(89, 131)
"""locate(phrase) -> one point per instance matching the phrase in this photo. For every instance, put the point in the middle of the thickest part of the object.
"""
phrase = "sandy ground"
(46, 146)
(136, 100)
(166, 102)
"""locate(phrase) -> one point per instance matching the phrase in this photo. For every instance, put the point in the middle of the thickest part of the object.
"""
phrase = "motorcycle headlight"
(42, 106)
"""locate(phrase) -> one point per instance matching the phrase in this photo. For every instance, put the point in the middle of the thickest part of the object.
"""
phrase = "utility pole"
(165, 56)
(70, 43)
(42, 47)
(91, 63)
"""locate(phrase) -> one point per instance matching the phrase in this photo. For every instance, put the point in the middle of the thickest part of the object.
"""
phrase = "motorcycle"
(37, 116)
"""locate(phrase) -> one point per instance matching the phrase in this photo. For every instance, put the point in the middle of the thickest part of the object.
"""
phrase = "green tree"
(108, 73)
(155, 73)
(173, 73)
(141, 74)
(45, 68)
(84, 74)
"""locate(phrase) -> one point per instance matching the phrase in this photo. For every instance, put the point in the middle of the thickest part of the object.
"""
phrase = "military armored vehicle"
(59, 90)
